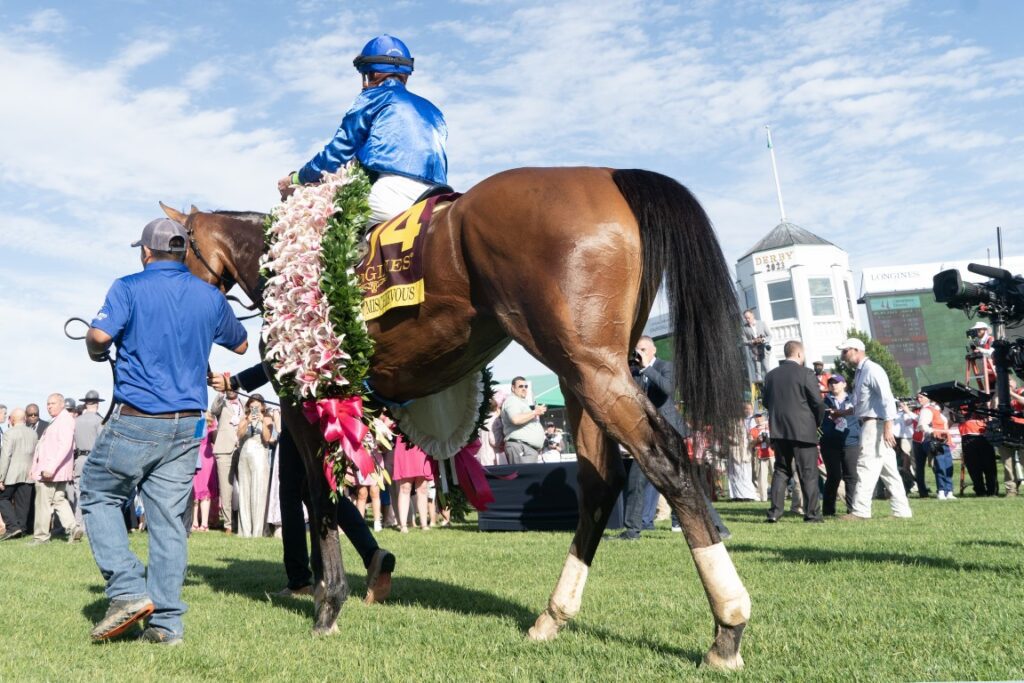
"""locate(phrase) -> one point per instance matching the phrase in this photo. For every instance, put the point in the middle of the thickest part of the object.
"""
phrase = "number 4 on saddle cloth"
(443, 424)
(391, 273)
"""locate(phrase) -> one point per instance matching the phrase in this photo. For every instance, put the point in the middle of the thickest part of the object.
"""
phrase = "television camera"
(1001, 301)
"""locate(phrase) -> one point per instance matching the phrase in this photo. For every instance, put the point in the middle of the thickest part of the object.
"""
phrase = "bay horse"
(567, 262)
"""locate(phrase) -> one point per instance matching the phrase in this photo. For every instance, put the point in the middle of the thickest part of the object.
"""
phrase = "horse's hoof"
(544, 629)
(325, 630)
(715, 661)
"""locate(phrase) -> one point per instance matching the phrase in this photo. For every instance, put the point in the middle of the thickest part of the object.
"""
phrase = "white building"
(801, 286)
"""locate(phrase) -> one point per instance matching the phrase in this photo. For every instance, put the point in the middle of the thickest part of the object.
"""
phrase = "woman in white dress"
(255, 436)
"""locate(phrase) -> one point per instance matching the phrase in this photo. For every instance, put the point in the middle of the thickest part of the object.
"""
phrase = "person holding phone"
(524, 435)
(255, 436)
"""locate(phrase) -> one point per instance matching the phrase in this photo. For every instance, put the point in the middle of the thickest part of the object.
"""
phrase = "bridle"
(223, 282)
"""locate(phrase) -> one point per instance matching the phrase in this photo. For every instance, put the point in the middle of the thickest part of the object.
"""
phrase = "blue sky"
(896, 124)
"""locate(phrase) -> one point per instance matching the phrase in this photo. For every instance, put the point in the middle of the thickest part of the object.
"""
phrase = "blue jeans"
(943, 466)
(159, 457)
(650, 510)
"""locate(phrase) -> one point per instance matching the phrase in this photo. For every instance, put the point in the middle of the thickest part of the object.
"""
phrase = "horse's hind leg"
(330, 584)
(662, 455)
(601, 477)
(615, 402)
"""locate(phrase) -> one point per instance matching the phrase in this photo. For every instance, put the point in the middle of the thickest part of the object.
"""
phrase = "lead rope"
(110, 359)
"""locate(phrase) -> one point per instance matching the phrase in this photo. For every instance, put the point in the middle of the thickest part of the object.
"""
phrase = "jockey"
(397, 136)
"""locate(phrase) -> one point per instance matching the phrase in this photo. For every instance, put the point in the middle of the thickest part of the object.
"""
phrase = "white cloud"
(202, 76)
(45, 21)
(137, 54)
(115, 142)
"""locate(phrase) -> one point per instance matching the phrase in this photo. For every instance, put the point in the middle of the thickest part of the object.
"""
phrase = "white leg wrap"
(565, 600)
(568, 596)
(729, 600)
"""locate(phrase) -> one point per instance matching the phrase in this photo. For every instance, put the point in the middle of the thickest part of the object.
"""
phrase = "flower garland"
(316, 339)
(315, 336)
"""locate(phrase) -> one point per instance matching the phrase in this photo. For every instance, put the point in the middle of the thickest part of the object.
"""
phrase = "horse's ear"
(174, 214)
(193, 210)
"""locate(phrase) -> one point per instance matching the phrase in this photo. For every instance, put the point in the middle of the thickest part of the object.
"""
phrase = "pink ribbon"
(472, 479)
(340, 421)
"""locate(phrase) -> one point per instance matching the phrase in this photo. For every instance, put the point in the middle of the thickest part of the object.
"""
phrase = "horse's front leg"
(600, 480)
(330, 585)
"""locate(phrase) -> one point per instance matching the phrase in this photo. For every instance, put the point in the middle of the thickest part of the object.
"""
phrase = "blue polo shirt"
(164, 322)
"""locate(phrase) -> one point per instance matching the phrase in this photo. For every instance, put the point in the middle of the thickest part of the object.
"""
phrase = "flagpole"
(775, 172)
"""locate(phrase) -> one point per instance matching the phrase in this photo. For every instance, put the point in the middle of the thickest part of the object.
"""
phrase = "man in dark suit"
(32, 420)
(657, 380)
(795, 409)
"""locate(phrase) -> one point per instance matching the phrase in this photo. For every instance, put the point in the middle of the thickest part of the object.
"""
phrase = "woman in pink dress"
(492, 438)
(204, 486)
(412, 470)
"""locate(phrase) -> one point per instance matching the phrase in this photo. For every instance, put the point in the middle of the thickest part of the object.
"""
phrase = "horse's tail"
(680, 246)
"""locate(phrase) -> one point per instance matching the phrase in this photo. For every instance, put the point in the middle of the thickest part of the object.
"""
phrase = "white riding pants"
(393, 194)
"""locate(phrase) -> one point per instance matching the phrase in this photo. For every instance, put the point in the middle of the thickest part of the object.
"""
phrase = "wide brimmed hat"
(92, 396)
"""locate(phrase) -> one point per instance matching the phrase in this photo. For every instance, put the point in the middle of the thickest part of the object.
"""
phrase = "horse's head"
(223, 247)
(201, 256)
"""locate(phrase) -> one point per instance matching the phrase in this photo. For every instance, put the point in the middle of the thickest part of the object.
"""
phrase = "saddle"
(390, 268)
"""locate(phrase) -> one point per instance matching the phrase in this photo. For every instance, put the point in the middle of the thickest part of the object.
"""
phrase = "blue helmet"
(384, 54)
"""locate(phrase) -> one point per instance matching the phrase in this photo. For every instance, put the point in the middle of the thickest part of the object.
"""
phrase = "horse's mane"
(243, 215)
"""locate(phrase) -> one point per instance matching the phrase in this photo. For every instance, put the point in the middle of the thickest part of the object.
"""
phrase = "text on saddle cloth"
(391, 274)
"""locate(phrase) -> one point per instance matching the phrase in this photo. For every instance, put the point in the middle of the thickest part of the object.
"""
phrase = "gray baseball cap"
(157, 235)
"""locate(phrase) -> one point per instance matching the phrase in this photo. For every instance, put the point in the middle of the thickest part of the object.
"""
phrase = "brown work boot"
(121, 615)
(294, 592)
(378, 577)
(850, 517)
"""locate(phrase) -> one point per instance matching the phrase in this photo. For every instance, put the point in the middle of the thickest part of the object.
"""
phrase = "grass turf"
(938, 597)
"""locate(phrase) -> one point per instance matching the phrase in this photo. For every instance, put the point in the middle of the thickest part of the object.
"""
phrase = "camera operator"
(980, 349)
(979, 455)
(983, 340)
(1001, 301)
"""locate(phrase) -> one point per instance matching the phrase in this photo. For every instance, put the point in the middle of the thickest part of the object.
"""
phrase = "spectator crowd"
(842, 459)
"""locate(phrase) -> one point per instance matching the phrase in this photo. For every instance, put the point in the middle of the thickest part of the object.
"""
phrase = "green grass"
(939, 597)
